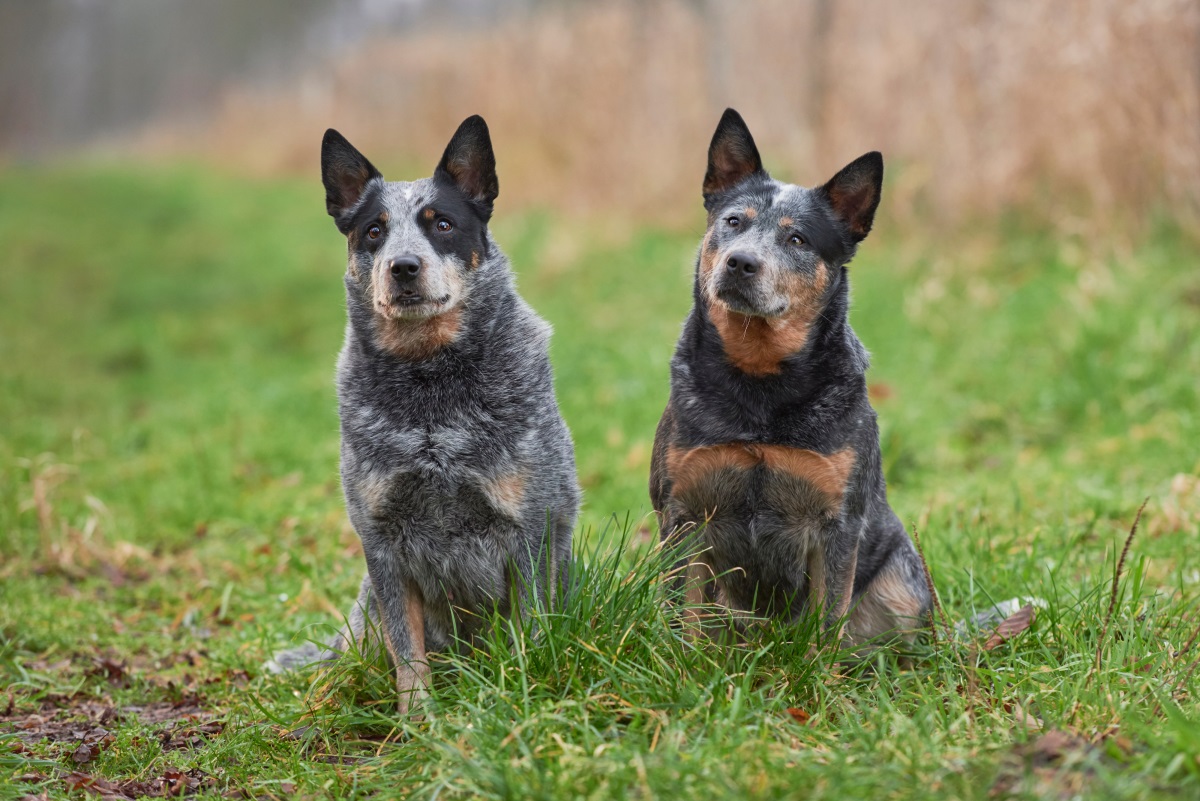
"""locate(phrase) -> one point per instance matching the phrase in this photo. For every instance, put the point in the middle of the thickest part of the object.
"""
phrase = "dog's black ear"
(346, 173)
(854, 193)
(732, 156)
(470, 164)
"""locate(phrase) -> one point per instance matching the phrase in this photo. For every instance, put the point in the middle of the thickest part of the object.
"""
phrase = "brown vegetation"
(1086, 110)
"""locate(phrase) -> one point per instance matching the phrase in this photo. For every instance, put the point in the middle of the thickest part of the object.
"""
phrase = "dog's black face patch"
(454, 225)
(366, 225)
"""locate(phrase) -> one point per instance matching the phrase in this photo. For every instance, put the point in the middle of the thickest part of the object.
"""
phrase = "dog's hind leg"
(894, 604)
(558, 558)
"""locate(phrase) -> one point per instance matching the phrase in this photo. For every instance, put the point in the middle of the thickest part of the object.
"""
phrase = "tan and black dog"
(768, 452)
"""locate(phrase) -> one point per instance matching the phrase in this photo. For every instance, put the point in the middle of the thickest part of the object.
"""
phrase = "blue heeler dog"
(458, 469)
(768, 452)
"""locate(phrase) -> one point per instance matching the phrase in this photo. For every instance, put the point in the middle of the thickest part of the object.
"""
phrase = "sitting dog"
(458, 470)
(768, 452)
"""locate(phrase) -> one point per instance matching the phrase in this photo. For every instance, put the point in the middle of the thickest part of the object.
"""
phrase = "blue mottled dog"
(458, 469)
(768, 451)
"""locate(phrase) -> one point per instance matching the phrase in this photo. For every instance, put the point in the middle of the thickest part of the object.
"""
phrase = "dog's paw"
(295, 658)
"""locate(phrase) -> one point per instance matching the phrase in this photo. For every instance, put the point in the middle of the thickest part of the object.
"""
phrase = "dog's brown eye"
(796, 239)
(733, 222)
(374, 232)
(444, 225)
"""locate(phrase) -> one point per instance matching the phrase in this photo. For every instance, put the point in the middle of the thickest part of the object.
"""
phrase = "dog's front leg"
(832, 566)
(690, 577)
(402, 623)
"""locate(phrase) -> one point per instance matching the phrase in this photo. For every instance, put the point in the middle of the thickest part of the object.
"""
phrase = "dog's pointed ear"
(345, 173)
(470, 164)
(732, 156)
(854, 193)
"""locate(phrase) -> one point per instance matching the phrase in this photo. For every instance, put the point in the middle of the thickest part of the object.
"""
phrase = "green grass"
(169, 503)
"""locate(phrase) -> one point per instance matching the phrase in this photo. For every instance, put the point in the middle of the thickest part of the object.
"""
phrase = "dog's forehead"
(755, 197)
(774, 199)
(792, 200)
(404, 198)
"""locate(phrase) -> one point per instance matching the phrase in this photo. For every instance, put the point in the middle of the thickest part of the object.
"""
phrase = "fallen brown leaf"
(83, 754)
(799, 715)
(1016, 623)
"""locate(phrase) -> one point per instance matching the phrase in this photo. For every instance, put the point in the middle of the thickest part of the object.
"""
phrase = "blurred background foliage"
(1084, 114)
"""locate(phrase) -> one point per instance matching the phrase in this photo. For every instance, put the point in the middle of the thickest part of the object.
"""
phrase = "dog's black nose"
(405, 268)
(742, 263)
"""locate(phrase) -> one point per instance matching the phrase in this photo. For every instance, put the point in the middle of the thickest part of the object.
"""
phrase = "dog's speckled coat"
(458, 470)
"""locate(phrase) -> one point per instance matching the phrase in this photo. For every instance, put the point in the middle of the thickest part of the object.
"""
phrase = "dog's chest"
(459, 471)
(754, 498)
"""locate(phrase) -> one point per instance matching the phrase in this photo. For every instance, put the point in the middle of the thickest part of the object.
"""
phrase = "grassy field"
(170, 515)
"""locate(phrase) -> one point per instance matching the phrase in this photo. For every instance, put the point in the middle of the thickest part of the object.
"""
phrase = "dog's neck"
(818, 346)
(460, 333)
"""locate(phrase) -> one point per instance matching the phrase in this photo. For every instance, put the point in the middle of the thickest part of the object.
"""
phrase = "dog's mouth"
(413, 306)
(737, 301)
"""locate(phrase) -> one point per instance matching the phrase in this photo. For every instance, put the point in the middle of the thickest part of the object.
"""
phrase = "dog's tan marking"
(889, 604)
(816, 579)
(506, 493)
(373, 488)
(429, 214)
(843, 605)
(757, 345)
(827, 474)
(786, 222)
(413, 340)
(708, 252)
(696, 578)
(397, 661)
(474, 259)
(698, 575)
(898, 596)
(384, 217)
(750, 212)
(387, 639)
(687, 467)
(412, 675)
